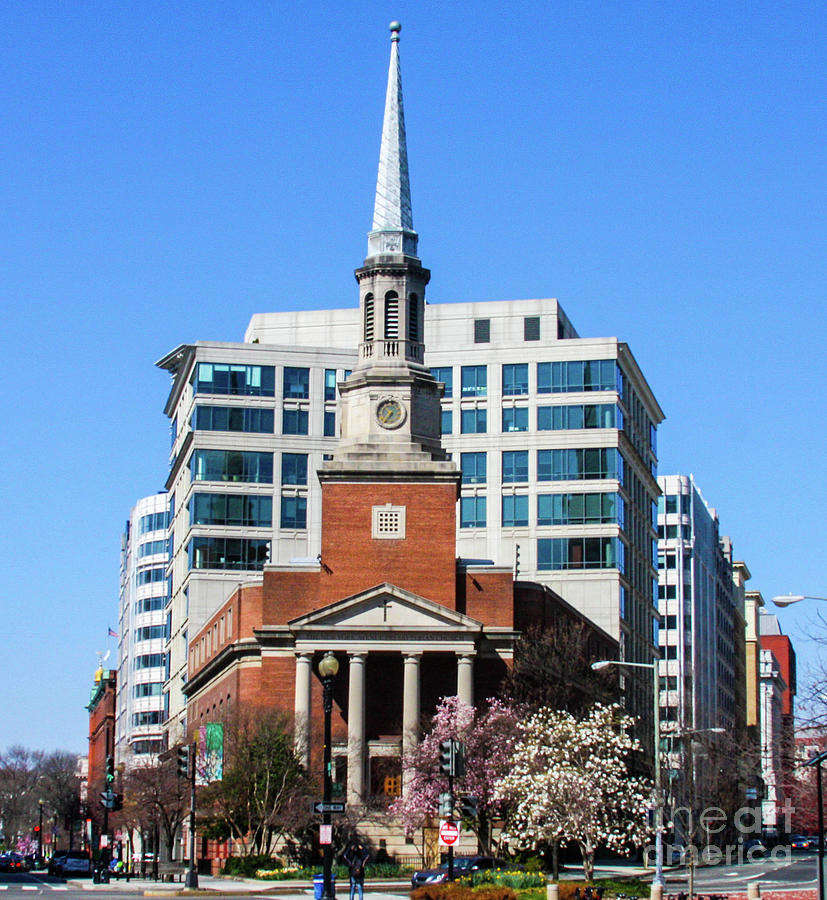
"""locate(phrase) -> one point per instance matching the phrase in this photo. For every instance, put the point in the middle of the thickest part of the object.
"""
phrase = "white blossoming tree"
(569, 782)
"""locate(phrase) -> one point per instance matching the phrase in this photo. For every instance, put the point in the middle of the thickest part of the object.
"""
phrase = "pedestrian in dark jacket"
(356, 858)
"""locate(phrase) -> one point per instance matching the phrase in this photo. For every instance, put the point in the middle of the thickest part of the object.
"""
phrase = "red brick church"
(408, 621)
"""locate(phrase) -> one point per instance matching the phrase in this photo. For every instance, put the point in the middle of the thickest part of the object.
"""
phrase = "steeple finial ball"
(395, 28)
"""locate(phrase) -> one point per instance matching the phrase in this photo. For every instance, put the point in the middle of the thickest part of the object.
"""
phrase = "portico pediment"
(385, 606)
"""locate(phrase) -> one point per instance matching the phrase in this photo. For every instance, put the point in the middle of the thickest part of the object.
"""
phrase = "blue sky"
(170, 169)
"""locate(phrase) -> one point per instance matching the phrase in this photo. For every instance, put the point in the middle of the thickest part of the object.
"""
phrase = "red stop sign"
(449, 833)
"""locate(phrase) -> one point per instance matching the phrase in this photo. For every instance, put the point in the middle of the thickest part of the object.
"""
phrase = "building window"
(218, 378)
(515, 418)
(578, 375)
(150, 632)
(531, 328)
(472, 512)
(473, 467)
(294, 421)
(253, 511)
(227, 553)
(150, 576)
(294, 468)
(294, 512)
(391, 316)
(447, 421)
(149, 661)
(580, 509)
(368, 317)
(515, 510)
(474, 421)
(482, 331)
(296, 383)
(330, 384)
(515, 466)
(388, 522)
(413, 318)
(590, 415)
(148, 717)
(150, 548)
(153, 522)
(580, 553)
(232, 465)
(234, 418)
(474, 381)
(575, 464)
(329, 423)
(445, 374)
(515, 379)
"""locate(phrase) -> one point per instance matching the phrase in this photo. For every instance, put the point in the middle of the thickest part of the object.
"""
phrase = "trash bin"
(318, 885)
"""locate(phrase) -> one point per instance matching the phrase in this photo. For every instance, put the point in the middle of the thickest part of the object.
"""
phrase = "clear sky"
(169, 169)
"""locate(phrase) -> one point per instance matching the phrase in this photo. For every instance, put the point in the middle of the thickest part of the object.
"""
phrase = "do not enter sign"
(448, 834)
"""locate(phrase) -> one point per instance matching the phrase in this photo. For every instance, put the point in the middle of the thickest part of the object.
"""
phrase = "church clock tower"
(390, 489)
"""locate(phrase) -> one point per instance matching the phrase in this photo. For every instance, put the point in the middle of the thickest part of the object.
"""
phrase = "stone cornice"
(233, 653)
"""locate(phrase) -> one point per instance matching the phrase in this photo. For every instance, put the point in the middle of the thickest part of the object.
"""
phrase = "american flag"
(113, 633)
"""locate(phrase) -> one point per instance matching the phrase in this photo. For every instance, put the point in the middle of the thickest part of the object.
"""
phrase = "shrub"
(510, 878)
(462, 891)
(247, 866)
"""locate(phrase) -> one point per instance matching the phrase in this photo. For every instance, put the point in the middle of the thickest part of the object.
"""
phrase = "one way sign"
(328, 806)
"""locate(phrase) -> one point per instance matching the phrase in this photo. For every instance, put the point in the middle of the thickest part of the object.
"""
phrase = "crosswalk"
(40, 886)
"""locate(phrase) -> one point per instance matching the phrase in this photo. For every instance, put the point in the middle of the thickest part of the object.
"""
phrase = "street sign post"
(448, 834)
(328, 806)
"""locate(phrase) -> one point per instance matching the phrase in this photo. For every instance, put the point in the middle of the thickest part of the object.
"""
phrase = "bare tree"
(19, 773)
(155, 799)
(264, 793)
(552, 669)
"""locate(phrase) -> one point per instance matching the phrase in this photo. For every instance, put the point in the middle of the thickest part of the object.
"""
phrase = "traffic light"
(459, 759)
(446, 757)
(184, 761)
(110, 770)
(445, 805)
(469, 807)
(118, 803)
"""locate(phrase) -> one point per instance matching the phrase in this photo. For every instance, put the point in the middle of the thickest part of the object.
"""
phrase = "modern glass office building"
(554, 434)
(142, 632)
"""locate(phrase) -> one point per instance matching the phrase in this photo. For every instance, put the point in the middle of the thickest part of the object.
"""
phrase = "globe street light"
(657, 881)
(328, 667)
(789, 599)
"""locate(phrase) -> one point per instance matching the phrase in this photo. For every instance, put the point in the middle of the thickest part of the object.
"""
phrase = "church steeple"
(390, 404)
(392, 230)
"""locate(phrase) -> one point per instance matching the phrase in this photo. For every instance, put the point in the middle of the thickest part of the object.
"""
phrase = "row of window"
(150, 576)
(153, 522)
(150, 632)
(148, 717)
(580, 553)
(150, 548)
(552, 509)
(227, 553)
(552, 378)
(148, 689)
(674, 503)
(149, 661)
(531, 329)
(549, 418)
(150, 604)
(259, 381)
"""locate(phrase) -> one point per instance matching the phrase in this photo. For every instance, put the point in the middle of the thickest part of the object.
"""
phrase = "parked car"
(463, 865)
(12, 862)
(802, 842)
(72, 862)
(755, 847)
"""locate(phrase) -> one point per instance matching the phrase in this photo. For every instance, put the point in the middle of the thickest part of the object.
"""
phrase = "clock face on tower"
(390, 414)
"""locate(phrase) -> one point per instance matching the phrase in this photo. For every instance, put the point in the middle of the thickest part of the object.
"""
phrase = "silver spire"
(392, 230)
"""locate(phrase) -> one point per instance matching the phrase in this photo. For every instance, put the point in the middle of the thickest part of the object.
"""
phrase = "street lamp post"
(817, 761)
(40, 833)
(328, 668)
(789, 599)
(657, 881)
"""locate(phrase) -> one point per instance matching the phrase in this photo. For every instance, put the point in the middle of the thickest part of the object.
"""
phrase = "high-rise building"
(701, 600)
(142, 631)
(553, 435)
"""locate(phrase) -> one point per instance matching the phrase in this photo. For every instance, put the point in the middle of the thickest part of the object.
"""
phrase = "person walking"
(356, 858)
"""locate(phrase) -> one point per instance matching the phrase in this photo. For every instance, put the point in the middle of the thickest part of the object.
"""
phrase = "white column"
(410, 709)
(465, 678)
(356, 729)
(301, 708)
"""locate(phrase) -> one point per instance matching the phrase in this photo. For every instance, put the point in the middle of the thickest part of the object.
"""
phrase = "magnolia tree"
(568, 781)
(488, 736)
